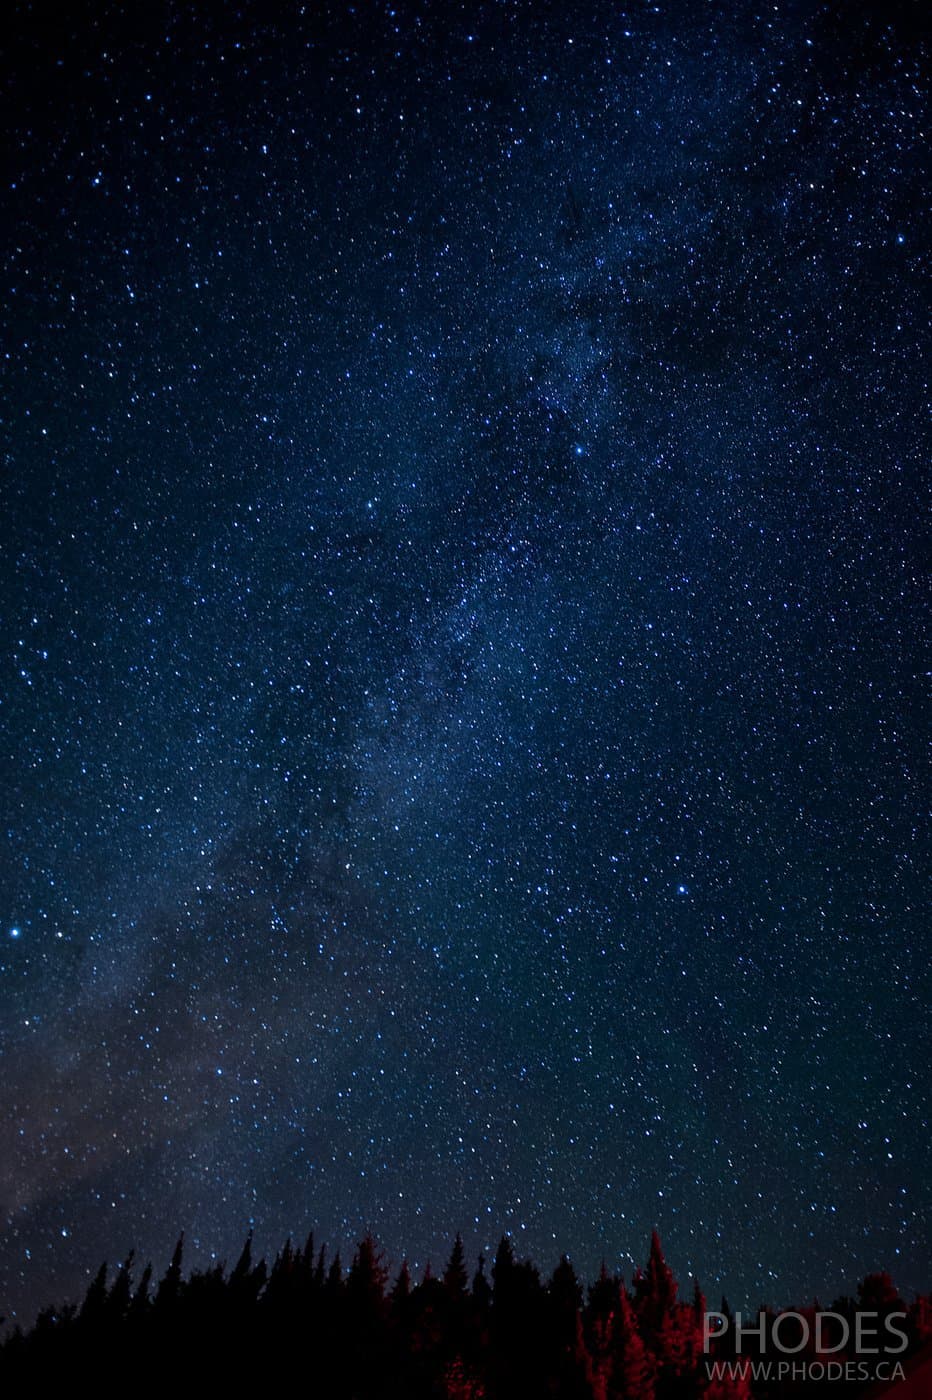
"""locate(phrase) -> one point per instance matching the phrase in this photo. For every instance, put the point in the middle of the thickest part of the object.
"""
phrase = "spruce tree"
(455, 1279)
(169, 1287)
(503, 1270)
(401, 1289)
(632, 1370)
(656, 1296)
(481, 1290)
(93, 1309)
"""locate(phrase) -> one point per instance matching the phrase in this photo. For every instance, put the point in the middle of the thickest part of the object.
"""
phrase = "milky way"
(461, 601)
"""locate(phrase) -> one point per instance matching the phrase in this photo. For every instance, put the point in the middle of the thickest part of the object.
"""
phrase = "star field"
(461, 602)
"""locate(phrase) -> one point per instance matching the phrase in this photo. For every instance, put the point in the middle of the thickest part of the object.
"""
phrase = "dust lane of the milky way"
(461, 611)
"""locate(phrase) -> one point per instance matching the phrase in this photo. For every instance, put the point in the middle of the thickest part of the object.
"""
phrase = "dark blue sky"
(461, 607)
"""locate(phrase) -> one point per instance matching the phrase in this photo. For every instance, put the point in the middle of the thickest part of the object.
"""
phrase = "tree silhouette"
(454, 1275)
(655, 1293)
(632, 1367)
(401, 1290)
(169, 1288)
(481, 1289)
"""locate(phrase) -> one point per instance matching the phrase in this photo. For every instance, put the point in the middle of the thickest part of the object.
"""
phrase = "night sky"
(461, 600)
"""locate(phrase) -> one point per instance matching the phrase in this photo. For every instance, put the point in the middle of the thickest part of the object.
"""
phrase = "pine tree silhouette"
(141, 1301)
(503, 1268)
(94, 1308)
(454, 1275)
(601, 1314)
(169, 1288)
(401, 1289)
(657, 1288)
(120, 1297)
(569, 1358)
(367, 1278)
(334, 1284)
(481, 1289)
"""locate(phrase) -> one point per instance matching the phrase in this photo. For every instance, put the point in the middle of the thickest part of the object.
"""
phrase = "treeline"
(503, 1334)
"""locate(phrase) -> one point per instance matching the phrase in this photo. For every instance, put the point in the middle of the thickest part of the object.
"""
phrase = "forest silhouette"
(357, 1334)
